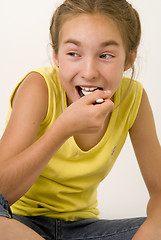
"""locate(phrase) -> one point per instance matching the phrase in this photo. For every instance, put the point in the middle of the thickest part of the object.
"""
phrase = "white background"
(24, 45)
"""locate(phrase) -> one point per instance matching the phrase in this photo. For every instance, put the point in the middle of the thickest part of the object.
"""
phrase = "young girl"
(67, 124)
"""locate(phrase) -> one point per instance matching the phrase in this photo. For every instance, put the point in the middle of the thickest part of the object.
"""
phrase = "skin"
(22, 160)
(99, 62)
(148, 152)
(91, 63)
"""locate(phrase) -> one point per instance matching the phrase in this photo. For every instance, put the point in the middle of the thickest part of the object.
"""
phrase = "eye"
(73, 54)
(106, 56)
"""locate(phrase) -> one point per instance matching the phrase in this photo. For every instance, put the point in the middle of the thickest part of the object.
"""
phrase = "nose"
(89, 69)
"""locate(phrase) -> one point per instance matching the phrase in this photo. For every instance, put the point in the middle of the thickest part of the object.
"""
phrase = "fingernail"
(107, 91)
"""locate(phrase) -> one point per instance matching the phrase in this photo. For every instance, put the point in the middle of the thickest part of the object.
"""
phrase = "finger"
(94, 96)
(106, 106)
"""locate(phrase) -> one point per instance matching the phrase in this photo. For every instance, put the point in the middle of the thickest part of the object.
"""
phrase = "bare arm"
(22, 159)
(148, 152)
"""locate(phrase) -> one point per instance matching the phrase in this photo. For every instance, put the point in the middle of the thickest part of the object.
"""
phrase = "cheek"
(63, 78)
(66, 80)
(116, 74)
(65, 69)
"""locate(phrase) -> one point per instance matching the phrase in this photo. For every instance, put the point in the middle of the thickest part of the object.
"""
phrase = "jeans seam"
(58, 233)
(108, 235)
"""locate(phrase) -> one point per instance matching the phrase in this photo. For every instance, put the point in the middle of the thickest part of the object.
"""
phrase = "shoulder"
(29, 103)
(36, 85)
(131, 93)
(30, 98)
(143, 129)
(33, 87)
(144, 118)
(131, 87)
(42, 79)
(130, 99)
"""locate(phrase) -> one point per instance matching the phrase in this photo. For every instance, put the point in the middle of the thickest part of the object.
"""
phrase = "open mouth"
(83, 91)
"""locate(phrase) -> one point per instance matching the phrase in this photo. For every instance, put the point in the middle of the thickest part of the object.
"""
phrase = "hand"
(85, 116)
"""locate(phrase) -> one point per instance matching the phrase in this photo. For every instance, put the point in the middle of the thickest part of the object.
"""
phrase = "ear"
(131, 60)
(55, 58)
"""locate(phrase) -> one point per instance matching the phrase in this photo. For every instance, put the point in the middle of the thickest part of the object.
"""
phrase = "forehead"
(89, 27)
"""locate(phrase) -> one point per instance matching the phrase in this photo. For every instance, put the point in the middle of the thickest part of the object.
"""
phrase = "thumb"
(96, 97)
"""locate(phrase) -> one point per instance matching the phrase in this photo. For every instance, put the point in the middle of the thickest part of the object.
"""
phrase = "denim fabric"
(5, 210)
(89, 229)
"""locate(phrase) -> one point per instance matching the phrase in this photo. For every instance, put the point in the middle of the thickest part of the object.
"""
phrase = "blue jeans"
(89, 229)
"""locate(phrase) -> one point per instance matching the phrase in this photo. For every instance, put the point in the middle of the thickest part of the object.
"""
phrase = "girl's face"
(91, 55)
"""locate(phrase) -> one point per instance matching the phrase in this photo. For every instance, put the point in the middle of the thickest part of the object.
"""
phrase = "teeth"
(88, 89)
(86, 92)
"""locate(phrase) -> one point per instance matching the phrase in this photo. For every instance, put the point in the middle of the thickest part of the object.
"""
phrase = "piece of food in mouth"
(83, 91)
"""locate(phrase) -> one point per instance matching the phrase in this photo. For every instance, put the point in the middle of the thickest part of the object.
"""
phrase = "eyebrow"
(103, 44)
(109, 43)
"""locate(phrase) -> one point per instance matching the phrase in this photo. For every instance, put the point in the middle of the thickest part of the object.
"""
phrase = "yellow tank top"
(67, 187)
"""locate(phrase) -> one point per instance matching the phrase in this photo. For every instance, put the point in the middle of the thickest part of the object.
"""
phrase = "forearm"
(154, 206)
(18, 173)
(151, 228)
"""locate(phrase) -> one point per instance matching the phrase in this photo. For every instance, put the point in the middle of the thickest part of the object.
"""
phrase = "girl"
(67, 125)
